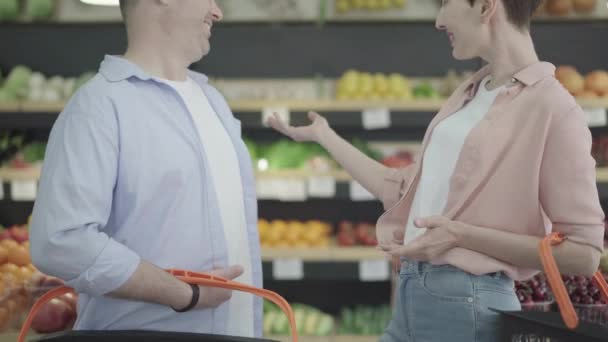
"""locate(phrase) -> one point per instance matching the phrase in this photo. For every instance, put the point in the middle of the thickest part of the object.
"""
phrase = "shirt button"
(470, 299)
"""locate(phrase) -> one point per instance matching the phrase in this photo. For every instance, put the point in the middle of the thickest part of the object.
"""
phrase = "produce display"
(32, 10)
(289, 155)
(355, 85)
(593, 85)
(356, 234)
(287, 234)
(364, 320)
(23, 84)
(309, 321)
(344, 6)
(565, 7)
(18, 153)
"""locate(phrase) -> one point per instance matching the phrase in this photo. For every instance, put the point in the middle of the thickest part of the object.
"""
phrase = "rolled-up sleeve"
(395, 183)
(68, 231)
(568, 190)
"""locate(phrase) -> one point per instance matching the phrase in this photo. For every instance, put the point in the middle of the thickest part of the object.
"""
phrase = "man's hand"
(212, 297)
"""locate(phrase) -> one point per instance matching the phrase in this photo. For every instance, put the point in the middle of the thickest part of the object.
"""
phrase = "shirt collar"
(116, 69)
(528, 76)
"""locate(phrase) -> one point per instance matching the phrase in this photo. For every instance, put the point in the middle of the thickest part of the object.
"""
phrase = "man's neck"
(157, 59)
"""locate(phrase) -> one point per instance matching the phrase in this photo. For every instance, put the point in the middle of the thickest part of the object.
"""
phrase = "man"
(145, 170)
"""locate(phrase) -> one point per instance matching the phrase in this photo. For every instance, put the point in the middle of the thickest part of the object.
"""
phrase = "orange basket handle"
(557, 285)
(186, 276)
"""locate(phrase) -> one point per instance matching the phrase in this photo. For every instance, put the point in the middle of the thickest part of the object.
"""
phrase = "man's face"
(189, 24)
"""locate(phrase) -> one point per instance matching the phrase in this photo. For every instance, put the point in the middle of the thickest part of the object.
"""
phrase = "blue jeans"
(445, 304)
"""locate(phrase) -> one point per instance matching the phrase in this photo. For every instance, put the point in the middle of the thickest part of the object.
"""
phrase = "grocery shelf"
(324, 254)
(273, 185)
(340, 113)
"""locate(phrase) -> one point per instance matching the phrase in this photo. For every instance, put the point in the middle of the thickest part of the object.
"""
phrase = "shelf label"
(291, 190)
(288, 269)
(24, 190)
(376, 118)
(264, 189)
(359, 193)
(322, 187)
(374, 270)
(282, 112)
(596, 117)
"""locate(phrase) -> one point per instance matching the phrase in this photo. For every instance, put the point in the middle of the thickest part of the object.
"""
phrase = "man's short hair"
(519, 12)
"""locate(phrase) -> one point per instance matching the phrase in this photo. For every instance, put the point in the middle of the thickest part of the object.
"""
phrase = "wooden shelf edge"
(33, 173)
(323, 254)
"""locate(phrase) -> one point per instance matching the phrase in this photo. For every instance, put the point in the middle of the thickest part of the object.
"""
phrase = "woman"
(505, 161)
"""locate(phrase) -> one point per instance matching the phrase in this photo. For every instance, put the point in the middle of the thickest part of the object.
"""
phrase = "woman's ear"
(488, 9)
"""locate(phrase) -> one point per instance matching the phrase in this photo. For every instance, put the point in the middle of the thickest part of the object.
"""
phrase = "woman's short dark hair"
(519, 12)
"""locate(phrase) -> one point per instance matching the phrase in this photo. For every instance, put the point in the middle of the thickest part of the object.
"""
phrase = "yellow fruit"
(385, 4)
(275, 236)
(381, 83)
(366, 83)
(359, 4)
(283, 244)
(342, 6)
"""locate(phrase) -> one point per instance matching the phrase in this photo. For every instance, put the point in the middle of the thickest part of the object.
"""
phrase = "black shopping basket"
(562, 326)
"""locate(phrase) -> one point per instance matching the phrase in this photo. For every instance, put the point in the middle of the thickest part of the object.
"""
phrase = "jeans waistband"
(419, 268)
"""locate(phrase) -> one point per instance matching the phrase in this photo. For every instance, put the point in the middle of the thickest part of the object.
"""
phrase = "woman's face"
(465, 27)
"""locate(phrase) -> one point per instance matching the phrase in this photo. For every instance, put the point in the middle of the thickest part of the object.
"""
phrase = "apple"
(345, 239)
(345, 226)
(361, 233)
(54, 316)
(72, 299)
(5, 235)
(19, 234)
(584, 6)
(559, 7)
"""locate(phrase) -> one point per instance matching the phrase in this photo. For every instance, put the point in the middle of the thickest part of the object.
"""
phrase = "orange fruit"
(3, 255)
(19, 256)
(9, 243)
(24, 274)
(8, 268)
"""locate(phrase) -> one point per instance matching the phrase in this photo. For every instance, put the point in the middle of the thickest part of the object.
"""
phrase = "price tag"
(376, 118)
(264, 189)
(288, 269)
(282, 112)
(374, 270)
(322, 187)
(24, 190)
(596, 117)
(359, 193)
(292, 190)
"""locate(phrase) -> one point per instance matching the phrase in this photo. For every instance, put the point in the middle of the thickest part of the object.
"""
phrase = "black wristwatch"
(193, 302)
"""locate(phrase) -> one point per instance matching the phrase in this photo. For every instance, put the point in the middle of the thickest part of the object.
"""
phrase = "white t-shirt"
(441, 155)
(225, 172)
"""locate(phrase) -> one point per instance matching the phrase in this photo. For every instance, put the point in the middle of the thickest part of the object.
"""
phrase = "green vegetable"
(17, 81)
(325, 325)
(312, 320)
(39, 9)
(34, 152)
(280, 325)
(425, 91)
(9, 10)
(300, 317)
(286, 155)
(7, 96)
(269, 319)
